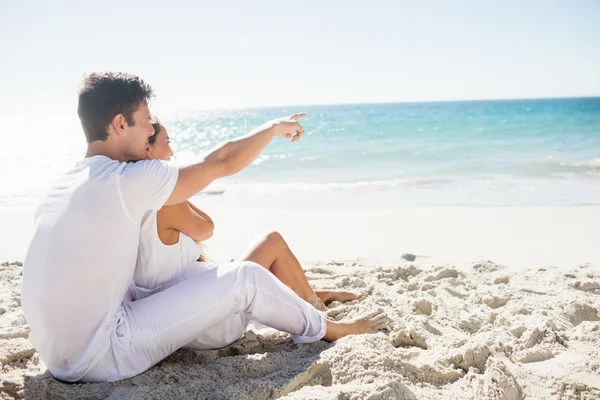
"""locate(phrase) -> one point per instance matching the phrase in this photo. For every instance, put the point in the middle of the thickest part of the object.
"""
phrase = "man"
(81, 259)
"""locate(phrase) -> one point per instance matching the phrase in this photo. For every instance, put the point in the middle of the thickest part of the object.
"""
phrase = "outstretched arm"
(232, 156)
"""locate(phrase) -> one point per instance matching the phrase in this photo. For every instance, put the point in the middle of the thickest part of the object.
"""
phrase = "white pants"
(207, 310)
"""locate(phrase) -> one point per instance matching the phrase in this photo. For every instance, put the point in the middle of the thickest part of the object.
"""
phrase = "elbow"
(207, 236)
(228, 168)
(204, 236)
(221, 153)
(205, 232)
(224, 156)
(223, 165)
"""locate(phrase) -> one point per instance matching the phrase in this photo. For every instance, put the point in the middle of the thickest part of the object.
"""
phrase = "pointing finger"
(297, 116)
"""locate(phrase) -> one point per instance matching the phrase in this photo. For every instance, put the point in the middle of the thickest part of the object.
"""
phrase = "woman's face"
(160, 150)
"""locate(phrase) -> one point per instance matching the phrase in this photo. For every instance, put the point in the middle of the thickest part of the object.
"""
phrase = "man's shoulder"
(148, 168)
(96, 163)
(103, 164)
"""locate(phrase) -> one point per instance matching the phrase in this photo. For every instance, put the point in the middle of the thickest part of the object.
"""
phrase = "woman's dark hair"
(103, 95)
(157, 127)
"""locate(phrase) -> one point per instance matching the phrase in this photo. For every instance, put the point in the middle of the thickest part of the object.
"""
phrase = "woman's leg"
(272, 252)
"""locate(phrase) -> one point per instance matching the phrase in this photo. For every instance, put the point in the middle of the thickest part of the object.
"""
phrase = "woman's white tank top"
(157, 262)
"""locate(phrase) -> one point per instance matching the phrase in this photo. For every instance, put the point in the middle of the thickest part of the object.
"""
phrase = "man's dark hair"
(104, 95)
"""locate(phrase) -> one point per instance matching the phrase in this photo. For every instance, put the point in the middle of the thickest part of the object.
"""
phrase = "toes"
(339, 296)
(348, 296)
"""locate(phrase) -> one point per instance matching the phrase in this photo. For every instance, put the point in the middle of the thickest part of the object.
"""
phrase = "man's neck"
(103, 148)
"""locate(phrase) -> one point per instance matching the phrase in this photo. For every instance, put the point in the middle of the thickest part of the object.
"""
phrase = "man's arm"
(232, 156)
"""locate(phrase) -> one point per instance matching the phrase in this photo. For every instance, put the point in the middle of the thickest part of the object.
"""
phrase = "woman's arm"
(201, 213)
(184, 218)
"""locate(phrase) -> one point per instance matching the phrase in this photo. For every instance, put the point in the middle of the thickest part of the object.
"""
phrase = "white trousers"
(203, 310)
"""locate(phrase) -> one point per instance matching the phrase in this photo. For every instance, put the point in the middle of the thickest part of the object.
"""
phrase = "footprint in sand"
(495, 301)
(575, 390)
(427, 286)
(533, 355)
(471, 356)
(16, 351)
(488, 266)
(587, 286)
(392, 275)
(544, 334)
(409, 339)
(348, 282)
(579, 312)
(500, 383)
(422, 307)
(444, 273)
(316, 374)
(471, 324)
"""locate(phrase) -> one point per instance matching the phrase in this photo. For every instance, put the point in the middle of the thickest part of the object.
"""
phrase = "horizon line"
(376, 102)
(15, 114)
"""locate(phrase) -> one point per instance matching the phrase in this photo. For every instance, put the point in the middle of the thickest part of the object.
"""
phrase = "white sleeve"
(145, 185)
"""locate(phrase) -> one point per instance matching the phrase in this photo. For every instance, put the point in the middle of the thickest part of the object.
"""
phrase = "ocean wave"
(592, 165)
(444, 182)
(336, 186)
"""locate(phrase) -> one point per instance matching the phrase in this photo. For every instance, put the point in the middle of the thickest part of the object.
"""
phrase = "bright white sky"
(212, 54)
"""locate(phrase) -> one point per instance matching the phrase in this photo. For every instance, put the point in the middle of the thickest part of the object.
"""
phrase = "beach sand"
(499, 303)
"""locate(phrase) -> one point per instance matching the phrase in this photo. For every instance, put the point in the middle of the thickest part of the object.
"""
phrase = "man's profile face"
(137, 135)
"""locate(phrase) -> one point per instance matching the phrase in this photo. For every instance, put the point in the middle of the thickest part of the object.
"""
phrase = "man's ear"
(119, 124)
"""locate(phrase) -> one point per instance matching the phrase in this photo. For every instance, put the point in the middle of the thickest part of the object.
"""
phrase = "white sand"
(461, 328)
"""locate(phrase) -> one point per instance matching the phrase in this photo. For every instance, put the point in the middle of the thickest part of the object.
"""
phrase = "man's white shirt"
(82, 257)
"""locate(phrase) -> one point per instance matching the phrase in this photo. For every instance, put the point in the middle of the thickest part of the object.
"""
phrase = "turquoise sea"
(506, 152)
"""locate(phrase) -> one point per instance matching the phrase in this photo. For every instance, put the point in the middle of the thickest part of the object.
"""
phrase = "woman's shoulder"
(173, 210)
(165, 224)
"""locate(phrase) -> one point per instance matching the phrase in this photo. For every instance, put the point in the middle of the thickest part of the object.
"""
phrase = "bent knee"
(274, 237)
(251, 267)
(248, 270)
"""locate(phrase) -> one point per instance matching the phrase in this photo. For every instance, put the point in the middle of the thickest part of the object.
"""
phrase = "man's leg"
(158, 325)
(152, 328)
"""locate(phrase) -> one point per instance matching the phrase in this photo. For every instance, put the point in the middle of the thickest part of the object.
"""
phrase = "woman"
(169, 251)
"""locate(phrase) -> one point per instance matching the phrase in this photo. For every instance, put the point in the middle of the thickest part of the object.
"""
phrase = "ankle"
(335, 330)
(312, 298)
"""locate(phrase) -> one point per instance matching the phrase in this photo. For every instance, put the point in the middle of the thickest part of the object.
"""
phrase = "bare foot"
(327, 296)
(317, 303)
(370, 323)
